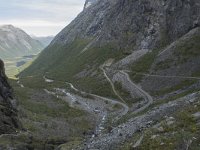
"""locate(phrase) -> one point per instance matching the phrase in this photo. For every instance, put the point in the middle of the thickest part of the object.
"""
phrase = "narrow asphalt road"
(112, 85)
(126, 108)
(144, 94)
(100, 126)
(162, 76)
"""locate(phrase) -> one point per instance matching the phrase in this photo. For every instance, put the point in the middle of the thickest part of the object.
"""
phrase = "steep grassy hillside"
(48, 121)
(64, 62)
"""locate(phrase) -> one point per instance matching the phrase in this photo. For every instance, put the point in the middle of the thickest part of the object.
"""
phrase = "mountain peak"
(16, 43)
(7, 26)
(89, 3)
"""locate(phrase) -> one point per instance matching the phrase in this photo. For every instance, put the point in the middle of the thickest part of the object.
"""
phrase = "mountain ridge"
(45, 40)
(16, 43)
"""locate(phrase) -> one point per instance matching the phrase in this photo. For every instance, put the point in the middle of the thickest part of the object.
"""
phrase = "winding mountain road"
(162, 76)
(88, 106)
(113, 102)
(144, 94)
(121, 132)
(112, 85)
(91, 106)
(106, 141)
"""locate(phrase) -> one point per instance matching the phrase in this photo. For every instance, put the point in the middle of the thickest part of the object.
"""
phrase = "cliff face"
(8, 113)
(142, 23)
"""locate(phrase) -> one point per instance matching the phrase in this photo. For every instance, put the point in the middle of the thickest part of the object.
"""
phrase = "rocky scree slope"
(9, 122)
(14, 42)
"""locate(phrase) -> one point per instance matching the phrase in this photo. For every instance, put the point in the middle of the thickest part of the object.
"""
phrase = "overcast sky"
(39, 17)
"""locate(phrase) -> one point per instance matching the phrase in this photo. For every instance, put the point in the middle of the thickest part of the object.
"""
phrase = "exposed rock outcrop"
(139, 24)
(8, 114)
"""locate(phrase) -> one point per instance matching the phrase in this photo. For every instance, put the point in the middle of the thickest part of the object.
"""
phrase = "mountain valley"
(123, 75)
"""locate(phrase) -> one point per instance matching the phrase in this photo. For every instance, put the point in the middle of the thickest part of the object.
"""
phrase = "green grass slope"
(64, 62)
(47, 121)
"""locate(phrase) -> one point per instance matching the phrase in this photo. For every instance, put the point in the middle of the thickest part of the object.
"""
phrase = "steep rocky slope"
(9, 122)
(16, 43)
(180, 62)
